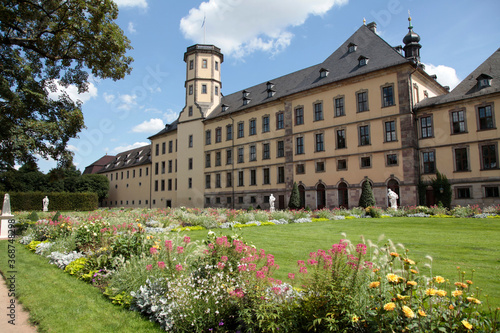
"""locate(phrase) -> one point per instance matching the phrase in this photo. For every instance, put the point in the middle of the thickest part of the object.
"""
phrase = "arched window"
(320, 196)
(302, 194)
(343, 195)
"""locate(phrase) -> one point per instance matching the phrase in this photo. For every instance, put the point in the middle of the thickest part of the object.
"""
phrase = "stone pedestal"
(4, 226)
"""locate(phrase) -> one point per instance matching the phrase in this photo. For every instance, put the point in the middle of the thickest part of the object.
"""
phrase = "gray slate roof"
(469, 88)
(340, 65)
(168, 128)
(129, 158)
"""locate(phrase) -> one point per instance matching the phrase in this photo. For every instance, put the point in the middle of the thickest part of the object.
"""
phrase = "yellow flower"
(137, 220)
(441, 293)
(473, 300)
(355, 319)
(409, 261)
(466, 324)
(411, 283)
(439, 279)
(457, 293)
(401, 297)
(451, 307)
(421, 313)
(469, 282)
(394, 254)
(389, 306)
(374, 284)
(408, 312)
(431, 292)
(460, 285)
(414, 271)
(392, 277)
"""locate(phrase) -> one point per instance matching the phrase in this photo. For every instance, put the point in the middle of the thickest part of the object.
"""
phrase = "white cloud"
(108, 97)
(149, 126)
(121, 149)
(122, 102)
(131, 28)
(446, 76)
(170, 116)
(132, 3)
(241, 27)
(72, 148)
(72, 92)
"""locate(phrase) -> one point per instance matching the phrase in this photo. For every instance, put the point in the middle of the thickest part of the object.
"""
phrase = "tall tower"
(203, 95)
(412, 46)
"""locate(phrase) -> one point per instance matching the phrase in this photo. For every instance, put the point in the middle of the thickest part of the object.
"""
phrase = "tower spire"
(411, 41)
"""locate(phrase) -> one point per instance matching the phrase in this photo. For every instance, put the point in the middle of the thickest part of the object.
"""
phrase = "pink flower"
(242, 268)
(260, 274)
(149, 267)
(291, 276)
(187, 239)
(161, 264)
(178, 267)
(302, 269)
(168, 245)
(361, 248)
(301, 262)
(153, 250)
(180, 249)
(221, 265)
(252, 267)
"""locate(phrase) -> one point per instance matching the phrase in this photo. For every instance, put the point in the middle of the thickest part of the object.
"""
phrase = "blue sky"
(261, 40)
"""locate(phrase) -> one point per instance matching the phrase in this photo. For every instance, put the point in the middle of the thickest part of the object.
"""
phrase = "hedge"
(57, 201)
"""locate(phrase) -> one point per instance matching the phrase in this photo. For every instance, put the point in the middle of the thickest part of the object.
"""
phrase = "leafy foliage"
(442, 189)
(44, 44)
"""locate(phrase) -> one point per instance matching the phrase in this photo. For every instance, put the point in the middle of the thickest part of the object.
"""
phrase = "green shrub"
(367, 198)
(74, 267)
(33, 217)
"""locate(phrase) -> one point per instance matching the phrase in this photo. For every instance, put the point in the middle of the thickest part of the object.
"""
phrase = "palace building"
(369, 112)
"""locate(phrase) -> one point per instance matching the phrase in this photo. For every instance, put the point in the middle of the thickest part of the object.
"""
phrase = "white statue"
(271, 202)
(393, 199)
(45, 204)
(6, 205)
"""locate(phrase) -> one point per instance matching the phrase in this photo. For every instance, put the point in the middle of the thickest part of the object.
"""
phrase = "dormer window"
(269, 85)
(245, 93)
(246, 101)
(484, 81)
(323, 72)
(270, 93)
(362, 61)
(224, 107)
(351, 47)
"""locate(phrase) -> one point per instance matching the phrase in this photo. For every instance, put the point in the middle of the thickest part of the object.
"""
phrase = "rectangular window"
(216, 91)
(190, 164)
(266, 176)
(156, 169)
(253, 127)
(190, 144)
(253, 177)
(341, 141)
(169, 185)
(320, 144)
(362, 98)
(218, 134)
(428, 161)
(156, 186)
(280, 149)
(339, 107)
(265, 124)
(207, 181)
(364, 135)
(170, 144)
(204, 63)
(491, 192)
(190, 89)
(253, 153)
(461, 159)
(318, 111)
(299, 145)
(217, 180)
(342, 164)
(240, 200)
(241, 130)
(426, 127)
(266, 151)
(366, 162)
(229, 132)
(208, 137)
(280, 120)
(217, 158)
(163, 148)
(458, 122)
(157, 149)
(387, 96)
(390, 131)
(217, 200)
(299, 116)
(241, 158)
(241, 181)
(489, 157)
(229, 179)
(170, 166)
(191, 64)
(190, 111)
(208, 160)
(203, 88)
(485, 116)
(229, 156)
(320, 166)
(216, 65)
(190, 182)
(300, 169)
(463, 192)
(391, 159)
(281, 175)
(162, 167)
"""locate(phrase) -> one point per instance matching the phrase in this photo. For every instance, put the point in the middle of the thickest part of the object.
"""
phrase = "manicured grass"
(451, 242)
(59, 302)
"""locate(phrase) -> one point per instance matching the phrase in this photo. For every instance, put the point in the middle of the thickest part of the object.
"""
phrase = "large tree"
(43, 44)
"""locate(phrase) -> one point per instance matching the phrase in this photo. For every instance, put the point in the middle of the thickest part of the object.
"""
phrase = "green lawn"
(52, 296)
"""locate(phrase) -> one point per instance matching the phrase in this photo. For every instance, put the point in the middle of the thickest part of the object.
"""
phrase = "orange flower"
(392, 278)
(414, 271)
(466, 324)
(408, 312)
(421, 313)
(457, 293)
(409, 261)
(473, 300)
(460, 285)
(441, 293)
(394, 254)
(411, 283)
(374, 284)
(451, 307)
(469, 282)
(439, 279)
(389, 306)
(431, 292)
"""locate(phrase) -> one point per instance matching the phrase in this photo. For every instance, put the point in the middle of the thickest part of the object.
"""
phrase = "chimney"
(372, 26)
